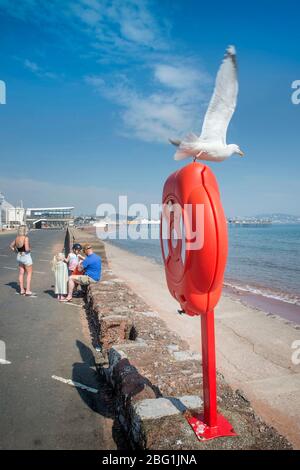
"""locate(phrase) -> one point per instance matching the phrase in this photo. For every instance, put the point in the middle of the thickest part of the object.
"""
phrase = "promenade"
(45, 338)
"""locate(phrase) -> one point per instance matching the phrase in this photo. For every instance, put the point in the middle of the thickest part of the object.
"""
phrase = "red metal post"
(209, 368)
(209, 424)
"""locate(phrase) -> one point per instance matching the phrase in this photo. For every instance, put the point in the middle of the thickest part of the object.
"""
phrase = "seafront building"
(34, 217)
(47, 217)
(10, 216)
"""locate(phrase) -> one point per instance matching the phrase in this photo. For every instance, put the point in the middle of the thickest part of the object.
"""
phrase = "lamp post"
(1, 202)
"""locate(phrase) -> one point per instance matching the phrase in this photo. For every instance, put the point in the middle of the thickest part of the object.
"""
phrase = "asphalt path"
(46, 345)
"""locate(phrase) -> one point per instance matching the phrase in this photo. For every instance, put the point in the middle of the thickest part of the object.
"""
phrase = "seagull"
(211, 144)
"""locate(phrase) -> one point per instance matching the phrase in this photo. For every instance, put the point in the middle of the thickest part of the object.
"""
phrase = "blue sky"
(95, 88)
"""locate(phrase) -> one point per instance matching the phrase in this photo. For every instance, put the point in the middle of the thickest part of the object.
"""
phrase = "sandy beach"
(254, 348)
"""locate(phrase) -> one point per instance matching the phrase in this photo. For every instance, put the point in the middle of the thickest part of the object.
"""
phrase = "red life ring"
(194, 238)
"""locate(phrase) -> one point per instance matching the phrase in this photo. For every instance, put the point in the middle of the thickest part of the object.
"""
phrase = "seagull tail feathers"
(181, 155)
(185, 149)
(175, 142)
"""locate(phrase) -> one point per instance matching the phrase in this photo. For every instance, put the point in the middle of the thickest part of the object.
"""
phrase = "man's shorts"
(83, 280)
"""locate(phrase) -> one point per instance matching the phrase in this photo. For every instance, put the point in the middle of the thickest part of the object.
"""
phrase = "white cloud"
(31, 65)
(163, 91)
(169, 102)
(136, 32)
(90, 16)
(182, 77)
(114, 23)
(37, 70)
(136, 23)
(97, 82)
(153, 118)
(162, 113)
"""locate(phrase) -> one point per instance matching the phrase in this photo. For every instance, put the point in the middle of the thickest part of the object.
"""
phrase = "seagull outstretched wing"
(223, 101)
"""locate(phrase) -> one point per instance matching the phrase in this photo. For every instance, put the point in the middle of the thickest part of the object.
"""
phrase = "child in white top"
(60, 270)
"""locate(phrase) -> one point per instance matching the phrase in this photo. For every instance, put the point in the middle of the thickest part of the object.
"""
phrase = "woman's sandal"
(66, 300)
(30, 294)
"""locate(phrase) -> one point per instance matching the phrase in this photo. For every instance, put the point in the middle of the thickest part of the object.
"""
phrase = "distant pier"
(249, 223)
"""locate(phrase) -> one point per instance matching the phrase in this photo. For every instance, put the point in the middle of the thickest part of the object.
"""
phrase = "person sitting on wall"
(91, 271)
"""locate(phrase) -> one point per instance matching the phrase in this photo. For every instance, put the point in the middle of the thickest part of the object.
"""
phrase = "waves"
(264, 292)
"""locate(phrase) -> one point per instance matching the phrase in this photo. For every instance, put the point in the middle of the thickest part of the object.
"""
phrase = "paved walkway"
(44, 338)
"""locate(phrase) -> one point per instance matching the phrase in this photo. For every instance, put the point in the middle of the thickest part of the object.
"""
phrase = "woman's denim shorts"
(24, 258)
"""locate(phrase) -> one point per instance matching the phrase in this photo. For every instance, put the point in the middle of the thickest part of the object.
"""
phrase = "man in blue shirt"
(91, 264)
(91, 271)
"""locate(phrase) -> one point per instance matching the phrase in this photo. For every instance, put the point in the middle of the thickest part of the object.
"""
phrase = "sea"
(262, 260)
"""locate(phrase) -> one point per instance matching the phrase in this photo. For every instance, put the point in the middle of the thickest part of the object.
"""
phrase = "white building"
(15, 216)
(10, 216)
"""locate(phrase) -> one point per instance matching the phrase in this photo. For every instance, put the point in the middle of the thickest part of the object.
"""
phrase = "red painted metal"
(204, 432)
(196, 282)
(210, 424)
(196, 279)
(209, 368)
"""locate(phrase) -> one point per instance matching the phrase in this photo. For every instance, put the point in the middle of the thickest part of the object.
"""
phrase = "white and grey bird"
(211, 144)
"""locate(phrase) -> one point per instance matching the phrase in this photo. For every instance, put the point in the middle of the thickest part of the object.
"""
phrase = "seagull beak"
(241, 153)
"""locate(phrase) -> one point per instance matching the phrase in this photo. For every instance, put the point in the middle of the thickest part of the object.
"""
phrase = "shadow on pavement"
(50, 292)
(14, 285)
(102, 402)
